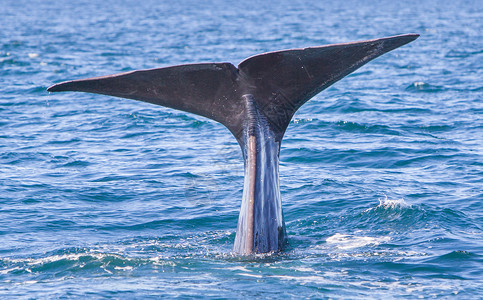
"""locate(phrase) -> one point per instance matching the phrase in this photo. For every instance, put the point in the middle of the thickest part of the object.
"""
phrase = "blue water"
(381, 174)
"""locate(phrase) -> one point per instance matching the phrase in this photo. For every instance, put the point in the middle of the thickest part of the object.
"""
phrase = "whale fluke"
(256, 102)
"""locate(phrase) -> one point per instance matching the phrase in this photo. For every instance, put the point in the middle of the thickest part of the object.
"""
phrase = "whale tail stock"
(256, 102)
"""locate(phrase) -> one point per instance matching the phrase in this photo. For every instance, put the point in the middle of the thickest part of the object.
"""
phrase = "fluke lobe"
(256, 102)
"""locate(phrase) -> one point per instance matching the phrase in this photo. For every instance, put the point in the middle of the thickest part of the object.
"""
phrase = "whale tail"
(281, 82)
(256, 102)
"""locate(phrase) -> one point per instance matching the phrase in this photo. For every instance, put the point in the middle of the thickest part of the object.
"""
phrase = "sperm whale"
(256, 102)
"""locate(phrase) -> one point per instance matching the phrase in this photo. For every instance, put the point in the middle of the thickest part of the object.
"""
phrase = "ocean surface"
(381, 174)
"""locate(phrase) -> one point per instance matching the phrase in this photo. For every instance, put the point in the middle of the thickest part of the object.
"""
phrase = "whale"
(256, 102)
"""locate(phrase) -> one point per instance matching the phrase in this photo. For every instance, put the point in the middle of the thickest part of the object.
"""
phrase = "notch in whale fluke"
(281, 82)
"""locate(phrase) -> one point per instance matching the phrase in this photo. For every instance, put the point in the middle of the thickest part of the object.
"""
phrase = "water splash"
(346, 241)
(393, 204)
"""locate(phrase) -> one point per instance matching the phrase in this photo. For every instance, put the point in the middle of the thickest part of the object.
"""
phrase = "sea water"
(381, 175)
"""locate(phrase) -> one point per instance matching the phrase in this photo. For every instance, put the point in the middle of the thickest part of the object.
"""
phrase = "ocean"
(381, 175)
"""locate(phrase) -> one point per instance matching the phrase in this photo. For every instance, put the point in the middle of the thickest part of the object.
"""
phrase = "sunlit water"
(381, 174)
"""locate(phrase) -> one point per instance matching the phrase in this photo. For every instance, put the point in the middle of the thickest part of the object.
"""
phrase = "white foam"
(390, 204)
(251, 275)
(236, 268)
(127, 268)
(345, 241)
(70, 256)
(387, 203)
(28, 282)
(6, 271)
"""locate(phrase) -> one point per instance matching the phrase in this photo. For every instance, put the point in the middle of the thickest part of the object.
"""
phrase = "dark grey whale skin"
(256, 102)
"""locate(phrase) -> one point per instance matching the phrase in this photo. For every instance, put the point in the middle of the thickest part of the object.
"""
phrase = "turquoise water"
(381, 174)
